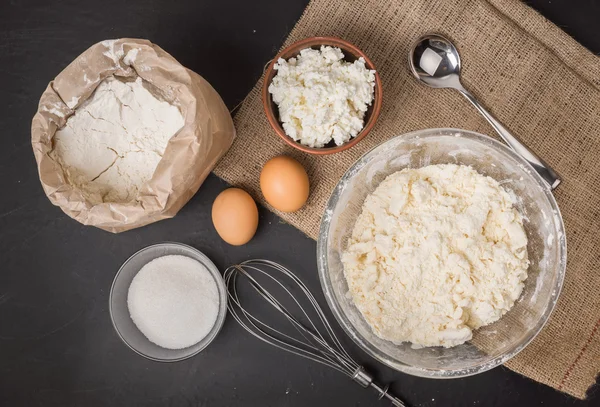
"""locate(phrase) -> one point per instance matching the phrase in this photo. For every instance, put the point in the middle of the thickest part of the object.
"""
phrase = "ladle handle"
(547, 173)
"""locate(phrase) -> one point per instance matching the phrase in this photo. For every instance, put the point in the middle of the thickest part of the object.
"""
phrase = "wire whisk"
(310, 343)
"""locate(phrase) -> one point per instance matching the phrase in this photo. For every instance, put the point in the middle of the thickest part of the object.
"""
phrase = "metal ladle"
(434, 60)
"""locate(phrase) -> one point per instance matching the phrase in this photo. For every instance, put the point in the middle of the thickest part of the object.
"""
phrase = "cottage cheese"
(436, 253)
(321, 97)
(112, 144)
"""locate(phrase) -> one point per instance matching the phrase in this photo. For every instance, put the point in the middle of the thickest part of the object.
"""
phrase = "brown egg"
(235, 216)
(284, 183)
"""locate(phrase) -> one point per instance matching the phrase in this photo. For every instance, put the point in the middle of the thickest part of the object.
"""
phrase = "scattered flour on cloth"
(436, 253)
(112, 144)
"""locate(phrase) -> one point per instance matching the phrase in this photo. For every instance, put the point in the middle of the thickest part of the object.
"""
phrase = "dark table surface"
(57, 345)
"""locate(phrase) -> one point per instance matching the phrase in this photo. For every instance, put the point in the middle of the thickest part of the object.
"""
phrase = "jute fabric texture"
(538, 81)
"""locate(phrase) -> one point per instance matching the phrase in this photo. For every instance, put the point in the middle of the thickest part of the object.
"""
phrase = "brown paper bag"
(189, 157)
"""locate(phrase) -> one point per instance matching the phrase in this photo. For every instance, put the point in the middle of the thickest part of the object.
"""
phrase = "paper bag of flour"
(190, 155)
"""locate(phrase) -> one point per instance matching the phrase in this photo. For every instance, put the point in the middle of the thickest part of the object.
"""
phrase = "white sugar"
(174, 301)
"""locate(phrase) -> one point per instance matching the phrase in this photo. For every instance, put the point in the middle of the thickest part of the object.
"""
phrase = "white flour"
(436, 253)
(174, 301)
(112, 144)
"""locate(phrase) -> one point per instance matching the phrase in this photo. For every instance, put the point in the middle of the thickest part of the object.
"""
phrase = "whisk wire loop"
(324, 348)
(250, 325)
(333, 354)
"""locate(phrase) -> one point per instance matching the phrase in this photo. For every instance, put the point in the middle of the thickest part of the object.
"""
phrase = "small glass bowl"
(493, 344)
(119, 312)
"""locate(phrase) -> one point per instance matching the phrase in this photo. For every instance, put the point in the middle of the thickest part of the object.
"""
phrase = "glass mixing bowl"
(491, 345)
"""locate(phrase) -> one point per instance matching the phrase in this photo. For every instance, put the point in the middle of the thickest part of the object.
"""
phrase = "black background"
(57, 345)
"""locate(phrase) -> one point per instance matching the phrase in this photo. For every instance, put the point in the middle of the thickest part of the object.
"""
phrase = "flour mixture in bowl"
(436, 253)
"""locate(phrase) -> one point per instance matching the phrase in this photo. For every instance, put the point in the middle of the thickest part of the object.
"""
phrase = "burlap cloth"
(537, 80)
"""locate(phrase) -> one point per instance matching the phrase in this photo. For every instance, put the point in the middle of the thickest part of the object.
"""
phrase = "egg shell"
(235, 216)
(284, 183)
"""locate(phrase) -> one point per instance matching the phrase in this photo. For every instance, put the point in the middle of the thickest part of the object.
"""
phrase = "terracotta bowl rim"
(307, 43)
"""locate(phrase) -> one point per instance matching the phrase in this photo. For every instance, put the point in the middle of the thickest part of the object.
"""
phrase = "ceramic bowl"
(351, 54)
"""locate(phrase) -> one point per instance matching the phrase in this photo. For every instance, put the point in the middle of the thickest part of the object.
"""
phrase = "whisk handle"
(384, 393)
(363, 378)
